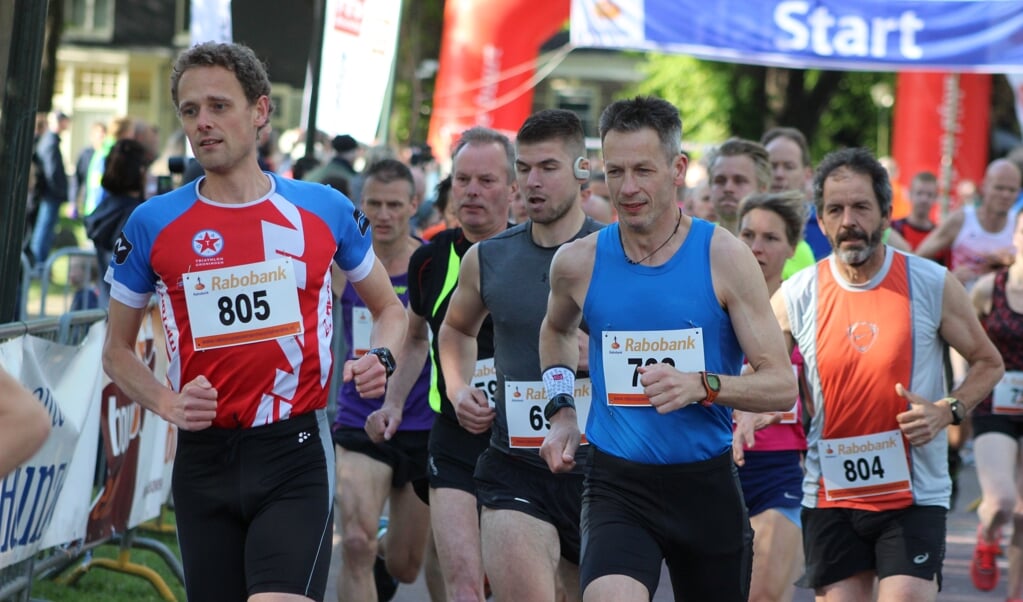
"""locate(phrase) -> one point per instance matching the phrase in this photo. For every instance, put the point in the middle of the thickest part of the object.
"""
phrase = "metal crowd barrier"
(59, 270)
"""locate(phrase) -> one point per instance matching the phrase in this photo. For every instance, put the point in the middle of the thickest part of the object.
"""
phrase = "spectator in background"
(97, 134)
(698, 203)
(118, 129)
(792, 169)
(346, 151)
(51, 186)
(923, 193)
(900, 203)
(445, 210)
(517, 212)
(81, 276)
(303, 165)
(736, 168)
(979, 238)
(124, 182)
(32, 199)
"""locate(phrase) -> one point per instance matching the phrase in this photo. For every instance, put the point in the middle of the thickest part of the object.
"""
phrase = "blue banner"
(865, 35)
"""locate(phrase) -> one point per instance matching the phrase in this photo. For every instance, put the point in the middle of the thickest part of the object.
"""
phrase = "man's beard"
(856, 257)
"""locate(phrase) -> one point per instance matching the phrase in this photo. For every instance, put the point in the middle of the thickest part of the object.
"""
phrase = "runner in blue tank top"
(672, 304)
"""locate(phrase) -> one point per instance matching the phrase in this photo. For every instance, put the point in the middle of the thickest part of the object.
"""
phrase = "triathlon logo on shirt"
(122, 248)
(207, 243)
(361, 220)
(862, 335)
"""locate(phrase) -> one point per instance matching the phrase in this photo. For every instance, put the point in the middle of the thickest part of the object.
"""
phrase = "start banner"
(869, 35)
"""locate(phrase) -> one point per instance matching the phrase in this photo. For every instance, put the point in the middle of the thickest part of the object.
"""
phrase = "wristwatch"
(958, 411)
(712, 384)
(559, 401)
(386, 358)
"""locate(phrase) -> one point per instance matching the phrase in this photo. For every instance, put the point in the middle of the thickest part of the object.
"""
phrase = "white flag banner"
(211, 21)
(359, 41)
(45, 501)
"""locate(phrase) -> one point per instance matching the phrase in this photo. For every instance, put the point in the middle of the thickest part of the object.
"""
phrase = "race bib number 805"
(242, 304)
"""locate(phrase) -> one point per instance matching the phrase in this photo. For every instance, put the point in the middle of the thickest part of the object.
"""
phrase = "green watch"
(712, 384)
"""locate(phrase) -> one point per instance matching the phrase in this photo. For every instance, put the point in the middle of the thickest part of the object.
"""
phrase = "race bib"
(864, 466)
(485, 379)
(1007, 397)
(624, 352)
(362, 327)
(524, 402)
(242, 304)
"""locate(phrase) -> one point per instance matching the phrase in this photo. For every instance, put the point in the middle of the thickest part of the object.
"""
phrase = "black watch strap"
(957, 409)
(562, 400)
(386, 358)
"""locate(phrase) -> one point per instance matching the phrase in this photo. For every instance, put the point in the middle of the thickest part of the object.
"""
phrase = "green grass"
(104, 585)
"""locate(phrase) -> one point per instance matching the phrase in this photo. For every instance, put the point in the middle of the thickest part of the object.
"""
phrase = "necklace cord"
(628, 260)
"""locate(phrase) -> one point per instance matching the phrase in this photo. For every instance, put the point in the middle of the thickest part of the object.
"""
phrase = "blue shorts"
(773, 480)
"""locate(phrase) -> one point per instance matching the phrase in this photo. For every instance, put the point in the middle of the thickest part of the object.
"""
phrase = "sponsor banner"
(45, 501)
(881, 35)
(138, 447)
(211, 22)
(941, 125)
(359, 43)
(488, 65)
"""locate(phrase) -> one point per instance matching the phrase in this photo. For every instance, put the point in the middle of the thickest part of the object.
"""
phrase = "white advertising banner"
(45, 501)
(359, 42)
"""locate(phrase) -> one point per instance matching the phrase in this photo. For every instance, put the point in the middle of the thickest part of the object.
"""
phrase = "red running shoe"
(984, 568)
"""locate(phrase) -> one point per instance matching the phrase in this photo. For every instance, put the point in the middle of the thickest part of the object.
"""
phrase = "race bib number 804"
(242, 304)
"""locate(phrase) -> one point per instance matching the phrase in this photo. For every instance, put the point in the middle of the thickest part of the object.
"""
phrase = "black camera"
(176, 164)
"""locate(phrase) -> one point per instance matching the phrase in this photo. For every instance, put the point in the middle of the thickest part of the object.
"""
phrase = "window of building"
(97, 83)
(182, 22)
(90, 17)
(580, 102)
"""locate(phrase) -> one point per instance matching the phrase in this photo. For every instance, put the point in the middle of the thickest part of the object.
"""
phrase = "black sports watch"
(559, 401)
(386, 358)
(958, 411)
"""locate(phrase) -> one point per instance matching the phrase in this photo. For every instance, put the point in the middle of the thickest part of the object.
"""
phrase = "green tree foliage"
(422, 22)
(717, 100)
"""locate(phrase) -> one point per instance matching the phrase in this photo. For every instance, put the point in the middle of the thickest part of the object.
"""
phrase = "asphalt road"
(962, 526)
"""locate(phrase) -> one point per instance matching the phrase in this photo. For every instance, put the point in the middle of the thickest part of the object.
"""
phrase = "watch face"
(713, 382)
